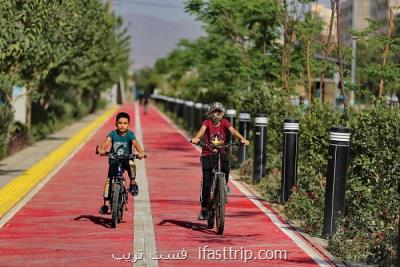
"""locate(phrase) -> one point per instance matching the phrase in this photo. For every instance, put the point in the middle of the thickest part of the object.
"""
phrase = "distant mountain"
(154, 38)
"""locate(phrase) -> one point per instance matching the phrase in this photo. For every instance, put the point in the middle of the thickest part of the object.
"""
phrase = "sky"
(171, 10)
(157, 25)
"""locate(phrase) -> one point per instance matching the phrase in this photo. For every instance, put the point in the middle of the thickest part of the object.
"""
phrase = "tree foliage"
(61, 52)
(52, 47)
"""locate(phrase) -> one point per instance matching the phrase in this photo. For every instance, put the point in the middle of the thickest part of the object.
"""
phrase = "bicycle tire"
(210, 217)
(220, 204)
(211, 203)
(115, 207)
(121, 207)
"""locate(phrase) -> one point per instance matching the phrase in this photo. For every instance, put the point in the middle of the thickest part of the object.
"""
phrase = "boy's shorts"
(128, 165)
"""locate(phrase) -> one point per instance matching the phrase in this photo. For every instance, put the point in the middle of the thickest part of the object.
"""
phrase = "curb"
(316, 245)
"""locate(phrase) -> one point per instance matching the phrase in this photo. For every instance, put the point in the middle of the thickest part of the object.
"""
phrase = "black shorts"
(113, 167)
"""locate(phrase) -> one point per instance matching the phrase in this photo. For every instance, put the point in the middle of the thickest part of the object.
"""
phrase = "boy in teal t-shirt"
(121, 141)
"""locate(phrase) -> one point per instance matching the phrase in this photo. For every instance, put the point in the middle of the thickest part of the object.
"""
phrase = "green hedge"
(369, 230)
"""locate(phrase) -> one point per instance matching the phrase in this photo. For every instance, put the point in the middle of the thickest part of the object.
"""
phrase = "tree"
(61, 48)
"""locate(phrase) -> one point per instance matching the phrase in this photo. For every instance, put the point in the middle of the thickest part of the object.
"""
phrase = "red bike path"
(60, 225)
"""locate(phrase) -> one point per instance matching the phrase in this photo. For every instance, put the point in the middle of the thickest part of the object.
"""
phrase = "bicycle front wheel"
(115, 208)
(122, 197)
(210, 217)
(220, 204)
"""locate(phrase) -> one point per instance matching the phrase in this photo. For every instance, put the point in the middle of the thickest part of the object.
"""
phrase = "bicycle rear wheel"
(220, 204)
(115, 208)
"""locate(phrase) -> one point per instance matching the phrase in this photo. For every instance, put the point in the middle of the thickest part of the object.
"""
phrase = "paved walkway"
(60, 224)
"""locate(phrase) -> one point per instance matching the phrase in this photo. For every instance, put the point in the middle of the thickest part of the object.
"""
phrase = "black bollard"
(186, 117)
(289, 161)
(188, 113)
(244, 127)
(230, 115)
(172, 105)
(335, 193)
(206, 107)
(168, 103)
(179, 108)
(260, 156)
(198, 118)
(191, 116)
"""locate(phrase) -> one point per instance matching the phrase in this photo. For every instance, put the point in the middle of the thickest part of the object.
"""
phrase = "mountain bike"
(218, 196)
(119, 195)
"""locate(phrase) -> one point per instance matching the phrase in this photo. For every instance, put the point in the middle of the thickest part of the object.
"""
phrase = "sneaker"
(202, 215)
(103, 209)
(134, 189)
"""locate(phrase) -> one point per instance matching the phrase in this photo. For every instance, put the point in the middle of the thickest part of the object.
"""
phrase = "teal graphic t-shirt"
(121, 144)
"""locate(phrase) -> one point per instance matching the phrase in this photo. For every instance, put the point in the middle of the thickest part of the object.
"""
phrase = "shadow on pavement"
(105, 222)
(4, 172)
(54, 138)
(244, 214)
(188, 225)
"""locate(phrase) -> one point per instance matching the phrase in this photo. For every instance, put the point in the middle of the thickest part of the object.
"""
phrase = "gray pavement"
(14, 165)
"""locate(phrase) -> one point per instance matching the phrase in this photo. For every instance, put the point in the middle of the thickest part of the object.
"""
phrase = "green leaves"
(66, 51)
(47, 37)
(372, 205)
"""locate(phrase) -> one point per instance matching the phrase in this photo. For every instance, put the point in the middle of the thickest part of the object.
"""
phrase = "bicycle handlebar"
(132, 156)
(201, 144)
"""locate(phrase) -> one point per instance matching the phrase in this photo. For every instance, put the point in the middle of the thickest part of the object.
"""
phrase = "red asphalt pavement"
(61, 226)
(174, 174)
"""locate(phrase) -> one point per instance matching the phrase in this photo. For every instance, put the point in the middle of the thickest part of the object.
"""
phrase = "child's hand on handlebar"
(102, 152)
(195, 141)
(141, 155)
(245, 142)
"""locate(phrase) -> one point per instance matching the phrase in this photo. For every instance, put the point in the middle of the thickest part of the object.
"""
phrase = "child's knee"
(106, 189)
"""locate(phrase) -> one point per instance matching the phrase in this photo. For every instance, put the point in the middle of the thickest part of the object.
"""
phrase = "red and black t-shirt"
(215, 135)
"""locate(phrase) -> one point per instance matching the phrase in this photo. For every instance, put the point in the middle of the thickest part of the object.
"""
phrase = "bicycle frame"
(119, 178)
(216, 172)
(118, 181)
(218, 196)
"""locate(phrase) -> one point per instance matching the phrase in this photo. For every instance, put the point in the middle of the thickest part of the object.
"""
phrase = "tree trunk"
(285, 51)
(96, 97)
(340, 56)
(326, 52)
(398, 241)
(387, 46)
(28, 110)
(309, 82)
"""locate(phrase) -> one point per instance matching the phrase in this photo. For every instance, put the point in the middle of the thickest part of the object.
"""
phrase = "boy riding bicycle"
(215, 129)
(121, 141)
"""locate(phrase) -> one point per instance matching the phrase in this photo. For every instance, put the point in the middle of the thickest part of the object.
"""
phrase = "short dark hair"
(123, 115)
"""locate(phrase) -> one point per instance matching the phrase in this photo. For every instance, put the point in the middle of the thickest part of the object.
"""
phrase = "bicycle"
(118, 196)
(218, 195)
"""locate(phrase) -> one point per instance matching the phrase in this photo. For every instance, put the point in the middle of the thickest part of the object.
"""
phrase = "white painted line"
(282, 226)
(44, 181)
(144, 237)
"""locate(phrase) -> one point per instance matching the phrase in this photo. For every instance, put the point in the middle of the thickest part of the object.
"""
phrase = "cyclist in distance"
(215, 131)
(121, 141)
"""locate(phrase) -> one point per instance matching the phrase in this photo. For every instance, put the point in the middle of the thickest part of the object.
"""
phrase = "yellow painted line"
(15, 190)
